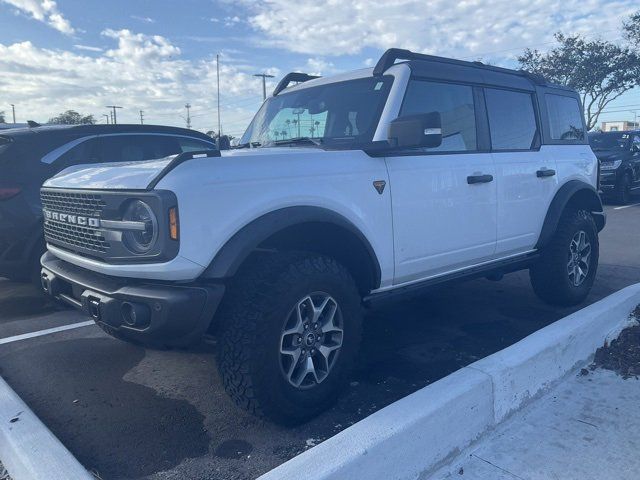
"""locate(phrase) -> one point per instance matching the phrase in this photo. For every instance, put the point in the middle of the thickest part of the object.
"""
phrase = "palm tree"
(311, 130)
(283, 133)
(288, 122)
(317, 124)
(276, 133)
(295, 122)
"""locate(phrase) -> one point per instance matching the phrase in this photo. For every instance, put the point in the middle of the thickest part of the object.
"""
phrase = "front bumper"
(608, 181)
(150, 313)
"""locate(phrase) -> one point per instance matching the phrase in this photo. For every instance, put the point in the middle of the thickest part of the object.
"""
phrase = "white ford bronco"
(343, 191)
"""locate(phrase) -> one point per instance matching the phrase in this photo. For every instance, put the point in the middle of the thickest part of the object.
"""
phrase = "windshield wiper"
(298, 140)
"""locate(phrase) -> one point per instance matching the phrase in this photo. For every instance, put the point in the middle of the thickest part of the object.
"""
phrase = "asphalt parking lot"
(131, 413)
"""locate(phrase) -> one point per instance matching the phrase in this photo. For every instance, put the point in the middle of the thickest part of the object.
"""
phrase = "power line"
(114, 118)
(264, 83)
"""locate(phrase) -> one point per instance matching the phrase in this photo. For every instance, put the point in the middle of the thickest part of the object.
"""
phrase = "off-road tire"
(623, 190)
(250, 322)
(549, 276)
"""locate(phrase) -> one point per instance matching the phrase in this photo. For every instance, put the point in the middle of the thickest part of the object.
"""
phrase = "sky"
(159, 55)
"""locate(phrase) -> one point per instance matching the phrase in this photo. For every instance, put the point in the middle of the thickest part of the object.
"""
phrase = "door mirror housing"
(414, 131)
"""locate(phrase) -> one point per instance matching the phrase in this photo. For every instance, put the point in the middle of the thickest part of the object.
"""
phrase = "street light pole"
(218, 79)
(188, 107)
(13, 109)
(107, 116)
(264, 83)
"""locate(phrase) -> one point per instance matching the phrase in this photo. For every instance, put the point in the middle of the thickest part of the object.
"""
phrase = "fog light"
(135, 315)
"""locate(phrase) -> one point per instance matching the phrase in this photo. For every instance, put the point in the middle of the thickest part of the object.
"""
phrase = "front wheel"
(289, 332)
(566, 271)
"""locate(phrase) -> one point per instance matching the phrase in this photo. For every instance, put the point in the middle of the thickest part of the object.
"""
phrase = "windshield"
(609, 141)
(344, 112)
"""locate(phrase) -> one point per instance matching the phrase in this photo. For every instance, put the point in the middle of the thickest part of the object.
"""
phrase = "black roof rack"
(389, 57)
(292, 77)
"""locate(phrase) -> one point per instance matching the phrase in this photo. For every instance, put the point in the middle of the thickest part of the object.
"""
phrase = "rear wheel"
(290, 329)
(566, 271)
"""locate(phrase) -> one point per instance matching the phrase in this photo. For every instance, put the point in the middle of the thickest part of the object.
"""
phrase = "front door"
(443, 198)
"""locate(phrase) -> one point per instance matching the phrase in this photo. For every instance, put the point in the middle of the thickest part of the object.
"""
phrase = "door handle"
(473, 179)
(545, 173)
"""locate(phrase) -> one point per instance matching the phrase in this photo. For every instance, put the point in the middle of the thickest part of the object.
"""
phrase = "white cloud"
(143, 19)
(465, 28)
(88, 48)
(45, 11)
(139, 72)
(318, 66)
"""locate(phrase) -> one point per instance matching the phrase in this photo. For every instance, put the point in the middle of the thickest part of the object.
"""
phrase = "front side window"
(344, 113)
(456, 108)
(512, 119)
(565, 118)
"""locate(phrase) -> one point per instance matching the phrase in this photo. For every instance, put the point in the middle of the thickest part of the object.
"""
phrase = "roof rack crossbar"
(292, 77)
(389, 57)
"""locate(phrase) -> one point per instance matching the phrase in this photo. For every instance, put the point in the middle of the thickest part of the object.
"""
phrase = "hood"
(110, 176)
(138, 175)
(610, 155)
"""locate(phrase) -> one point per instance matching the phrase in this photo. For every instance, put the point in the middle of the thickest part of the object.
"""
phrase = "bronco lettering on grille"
(72, 219)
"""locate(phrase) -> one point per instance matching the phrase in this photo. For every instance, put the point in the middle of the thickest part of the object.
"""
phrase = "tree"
(599, 70)
(2, 120)
(632, 30)
(71, 117)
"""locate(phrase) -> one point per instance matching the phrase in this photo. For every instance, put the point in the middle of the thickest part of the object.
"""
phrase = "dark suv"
(619, 156)
(28, 156)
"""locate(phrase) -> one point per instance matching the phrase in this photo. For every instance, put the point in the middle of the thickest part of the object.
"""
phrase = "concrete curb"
(420, 432)
(28, 450)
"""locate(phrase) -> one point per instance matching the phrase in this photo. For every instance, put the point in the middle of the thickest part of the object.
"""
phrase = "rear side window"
(134, 148)
(512, 119)
(565, 118)
(84, 153)
(192, 145)
(456, 108)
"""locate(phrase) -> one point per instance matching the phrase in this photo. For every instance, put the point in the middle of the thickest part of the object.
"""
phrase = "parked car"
(28, 156)
(344, 191)
(619, 156)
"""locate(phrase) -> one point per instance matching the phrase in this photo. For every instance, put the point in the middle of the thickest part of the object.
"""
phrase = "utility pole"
(218, 77)
(188, 106)
(264, 83)
(107, 117)
(114, 119)
(141, 117)
(13, 109)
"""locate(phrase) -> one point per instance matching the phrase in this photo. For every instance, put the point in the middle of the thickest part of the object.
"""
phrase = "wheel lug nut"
(306, 326)
(315, 325)
(299, 339)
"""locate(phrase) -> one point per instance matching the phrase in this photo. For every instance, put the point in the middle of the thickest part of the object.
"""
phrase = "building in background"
(620, 126)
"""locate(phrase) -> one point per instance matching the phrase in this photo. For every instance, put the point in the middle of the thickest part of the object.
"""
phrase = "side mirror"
(413, 131)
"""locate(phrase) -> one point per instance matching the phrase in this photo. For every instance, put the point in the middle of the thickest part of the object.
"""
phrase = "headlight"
(610, 165)
(143, 239)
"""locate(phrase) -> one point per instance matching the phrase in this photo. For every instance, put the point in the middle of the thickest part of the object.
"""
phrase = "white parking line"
(626, 206)
(40, 333)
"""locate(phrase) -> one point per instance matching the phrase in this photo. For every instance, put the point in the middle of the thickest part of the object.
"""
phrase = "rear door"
(444, 198)
(526, 174)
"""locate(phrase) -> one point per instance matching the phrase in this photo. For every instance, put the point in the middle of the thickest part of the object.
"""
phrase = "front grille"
(76, 236)
(69, 235)
(89, 204)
